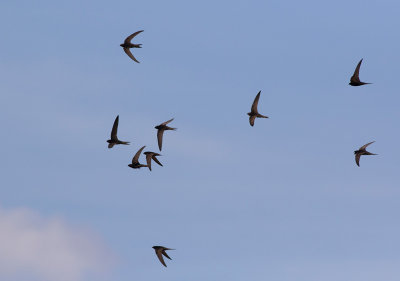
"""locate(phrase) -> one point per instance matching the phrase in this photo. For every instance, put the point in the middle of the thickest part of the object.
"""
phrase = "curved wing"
(115, 129)
(128, 52)
(148, 160)
(130, 37)
(166, 122)
(365, 145)
(135, 158)
(255, 103)
(358, 155)
(355, 77)
(160, 257)
(165, 254)
(251, 120)
(160, 134)
(156, 160)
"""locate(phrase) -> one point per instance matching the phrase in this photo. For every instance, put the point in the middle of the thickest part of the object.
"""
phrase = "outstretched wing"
(148, 160)
(160, 257)
(355, 77)
(115, 129)
(166, 122)
(128, 52)
(160, 134)
(165, 254)
(135, 158)
(365, 145)
(255, 103)
(130, 37)
(156, 160)
(358, 155)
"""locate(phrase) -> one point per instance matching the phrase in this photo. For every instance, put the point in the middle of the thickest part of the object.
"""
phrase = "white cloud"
(47, 248)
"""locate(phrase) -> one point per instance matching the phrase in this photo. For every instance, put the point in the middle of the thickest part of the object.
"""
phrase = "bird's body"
(355, 79)
(160, 131)
(253, 114)
(152, 156)
(160, 251)
(135, 160)
(114, 139)
(362, 151)
(136, 165)
(127, 45)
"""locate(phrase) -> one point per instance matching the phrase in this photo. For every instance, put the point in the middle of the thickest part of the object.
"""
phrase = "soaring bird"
(160, 251)
(127, 45)
(355, 79)
(135, 160)
(151, 155)
(160, 131)
(362, 151)
(254, 111)
(114, 139)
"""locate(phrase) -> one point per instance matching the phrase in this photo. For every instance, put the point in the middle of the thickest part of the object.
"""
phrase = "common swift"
(151, 155)
(160, 251)
(127, 45)
(160, 132)
(355, 79)
(135, 160)
(114, 139)
(254, 111)
(362, 151)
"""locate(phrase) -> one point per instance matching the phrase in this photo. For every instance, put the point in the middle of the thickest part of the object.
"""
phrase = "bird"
(362, 151)
(114, 139)
(160, 251)
(160, 131)
(152, 155)
(127, 45)
(253, 114)
(355, 79)
(135, 160)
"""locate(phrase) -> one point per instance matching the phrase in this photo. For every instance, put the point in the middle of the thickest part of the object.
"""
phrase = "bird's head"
(122, 45)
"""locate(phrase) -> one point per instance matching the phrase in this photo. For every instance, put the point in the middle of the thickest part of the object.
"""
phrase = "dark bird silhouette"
(362, 151)
(160, 131)
(355, 79)
(114, 139)
(152, 155)
(135, 160)
(254, 111)
(127, 45)
(160, 251)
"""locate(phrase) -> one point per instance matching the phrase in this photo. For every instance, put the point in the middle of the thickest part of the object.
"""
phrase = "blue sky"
(282, 200)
